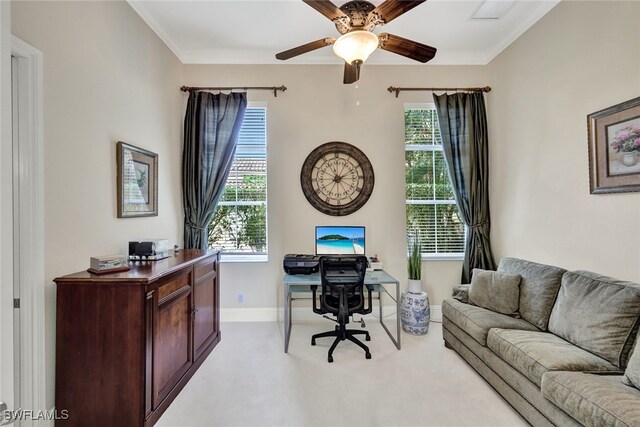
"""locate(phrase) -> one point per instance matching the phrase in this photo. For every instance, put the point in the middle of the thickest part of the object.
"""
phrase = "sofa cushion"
(534, 353)
(476, 321)
(461, 293)
(632, 374)
(511, 384)
(495, 291)
(593, 400)
(598, 314)
(538, 288)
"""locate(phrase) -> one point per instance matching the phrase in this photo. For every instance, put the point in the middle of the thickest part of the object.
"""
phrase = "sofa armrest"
(461, 293)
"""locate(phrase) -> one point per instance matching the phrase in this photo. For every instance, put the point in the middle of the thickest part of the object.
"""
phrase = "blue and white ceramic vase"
(414, 311)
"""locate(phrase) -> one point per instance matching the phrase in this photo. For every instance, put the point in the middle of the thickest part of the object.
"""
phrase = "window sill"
(443, 257)
(244, 258)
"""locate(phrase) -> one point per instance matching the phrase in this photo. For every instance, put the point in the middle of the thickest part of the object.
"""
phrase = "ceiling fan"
(355, 20)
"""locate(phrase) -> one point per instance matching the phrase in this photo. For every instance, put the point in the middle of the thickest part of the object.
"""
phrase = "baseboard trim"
(436, 313)
(248, 314)
(300, 314)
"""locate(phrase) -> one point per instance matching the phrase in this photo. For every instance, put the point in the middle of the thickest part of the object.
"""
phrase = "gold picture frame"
(614, 148)
(137, 181)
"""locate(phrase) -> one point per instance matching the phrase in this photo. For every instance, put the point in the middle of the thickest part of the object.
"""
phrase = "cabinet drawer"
(173, 285)
(204, 267)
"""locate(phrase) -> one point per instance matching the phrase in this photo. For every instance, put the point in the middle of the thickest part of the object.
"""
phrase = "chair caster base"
(367, 355)
(330, 359)
(313, 342)
(367, 338)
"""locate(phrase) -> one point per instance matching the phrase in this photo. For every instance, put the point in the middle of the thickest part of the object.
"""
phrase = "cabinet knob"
(193, 312)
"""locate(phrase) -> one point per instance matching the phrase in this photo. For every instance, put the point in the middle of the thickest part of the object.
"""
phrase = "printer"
(301, 264)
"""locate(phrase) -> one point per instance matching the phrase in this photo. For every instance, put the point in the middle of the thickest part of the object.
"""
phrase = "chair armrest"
(369, 308)
(461, 293)
(316, 309)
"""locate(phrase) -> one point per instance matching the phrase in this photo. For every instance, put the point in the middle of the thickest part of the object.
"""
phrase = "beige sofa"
(560, 360)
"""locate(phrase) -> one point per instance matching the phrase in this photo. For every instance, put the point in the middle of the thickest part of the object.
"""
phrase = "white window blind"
(432, 214)
(239, 225)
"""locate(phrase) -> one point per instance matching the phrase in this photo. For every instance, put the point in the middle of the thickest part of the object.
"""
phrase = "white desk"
(301, 283)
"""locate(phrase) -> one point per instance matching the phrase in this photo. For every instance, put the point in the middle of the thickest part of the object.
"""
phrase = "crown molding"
(141, 10)
(537, 14)
(246, 57)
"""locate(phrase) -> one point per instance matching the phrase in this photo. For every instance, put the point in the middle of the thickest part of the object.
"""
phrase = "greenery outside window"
(432, 213)
(239, 225)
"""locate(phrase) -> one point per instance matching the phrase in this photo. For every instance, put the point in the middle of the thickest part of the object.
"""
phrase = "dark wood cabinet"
(127, 343)
(206, 319)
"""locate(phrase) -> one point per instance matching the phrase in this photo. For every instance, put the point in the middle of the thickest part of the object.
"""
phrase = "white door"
(23, 201)
(15, 129)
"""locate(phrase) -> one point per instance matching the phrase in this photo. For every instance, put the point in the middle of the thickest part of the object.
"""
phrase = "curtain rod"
(397, 90)
(275, 89)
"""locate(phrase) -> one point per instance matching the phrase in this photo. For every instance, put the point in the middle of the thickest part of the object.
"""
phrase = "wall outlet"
(240, 298)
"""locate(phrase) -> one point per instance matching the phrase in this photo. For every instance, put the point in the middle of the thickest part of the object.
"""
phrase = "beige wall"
(315, 109)
(107, 77)
(580, 58)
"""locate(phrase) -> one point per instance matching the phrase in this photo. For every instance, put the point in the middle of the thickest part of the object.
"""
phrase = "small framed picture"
(137, 181)
(614, 148)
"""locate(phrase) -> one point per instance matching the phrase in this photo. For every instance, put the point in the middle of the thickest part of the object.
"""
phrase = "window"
(239, 225)
(432, 214)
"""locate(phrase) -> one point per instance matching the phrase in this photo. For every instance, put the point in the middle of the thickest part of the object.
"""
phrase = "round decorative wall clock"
(337, 178)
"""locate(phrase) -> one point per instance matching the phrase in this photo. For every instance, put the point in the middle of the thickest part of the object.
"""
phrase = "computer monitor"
(334, 240)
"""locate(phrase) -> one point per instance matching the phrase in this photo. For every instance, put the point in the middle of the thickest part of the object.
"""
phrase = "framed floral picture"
(614, 148)
(137, 181)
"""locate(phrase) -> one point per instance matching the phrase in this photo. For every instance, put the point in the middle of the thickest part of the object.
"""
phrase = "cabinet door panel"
(205, 316)
(148, 358)
(172, 354)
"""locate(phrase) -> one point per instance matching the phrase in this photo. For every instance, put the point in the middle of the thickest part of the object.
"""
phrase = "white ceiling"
(252, 32)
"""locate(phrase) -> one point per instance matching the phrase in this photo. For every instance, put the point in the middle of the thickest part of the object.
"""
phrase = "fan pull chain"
(357, 92)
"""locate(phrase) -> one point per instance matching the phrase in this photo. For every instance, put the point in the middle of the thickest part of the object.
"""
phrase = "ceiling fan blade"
(299, 50)
(326, 8)
(351, 72)
(391, 9)
(407, 48)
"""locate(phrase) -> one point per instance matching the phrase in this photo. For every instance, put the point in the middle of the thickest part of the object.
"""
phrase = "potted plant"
(415, 267)
(627, 141)
(415, 312)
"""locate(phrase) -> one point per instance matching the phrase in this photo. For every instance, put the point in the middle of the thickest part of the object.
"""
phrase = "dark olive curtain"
(211, 126)
(463, 125)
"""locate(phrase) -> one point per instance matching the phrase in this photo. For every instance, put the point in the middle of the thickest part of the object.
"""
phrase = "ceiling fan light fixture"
(356, 45)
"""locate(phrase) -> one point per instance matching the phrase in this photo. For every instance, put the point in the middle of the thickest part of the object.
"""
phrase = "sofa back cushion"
(632, 374)
(495, 291)
(538, 288)
(598, 314)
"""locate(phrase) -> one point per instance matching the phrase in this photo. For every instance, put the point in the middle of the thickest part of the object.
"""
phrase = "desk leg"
(396, 340)
(287, 317)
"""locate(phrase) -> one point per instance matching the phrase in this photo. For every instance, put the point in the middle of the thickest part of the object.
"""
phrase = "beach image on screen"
(340, 240)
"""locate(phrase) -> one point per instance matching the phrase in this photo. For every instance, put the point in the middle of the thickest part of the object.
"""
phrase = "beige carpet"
(249, 381)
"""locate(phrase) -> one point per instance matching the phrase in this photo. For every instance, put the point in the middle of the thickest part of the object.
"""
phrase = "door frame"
(6, 211)
(30, 254)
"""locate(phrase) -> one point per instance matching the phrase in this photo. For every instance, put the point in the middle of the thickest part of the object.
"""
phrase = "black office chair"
(342, 295)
